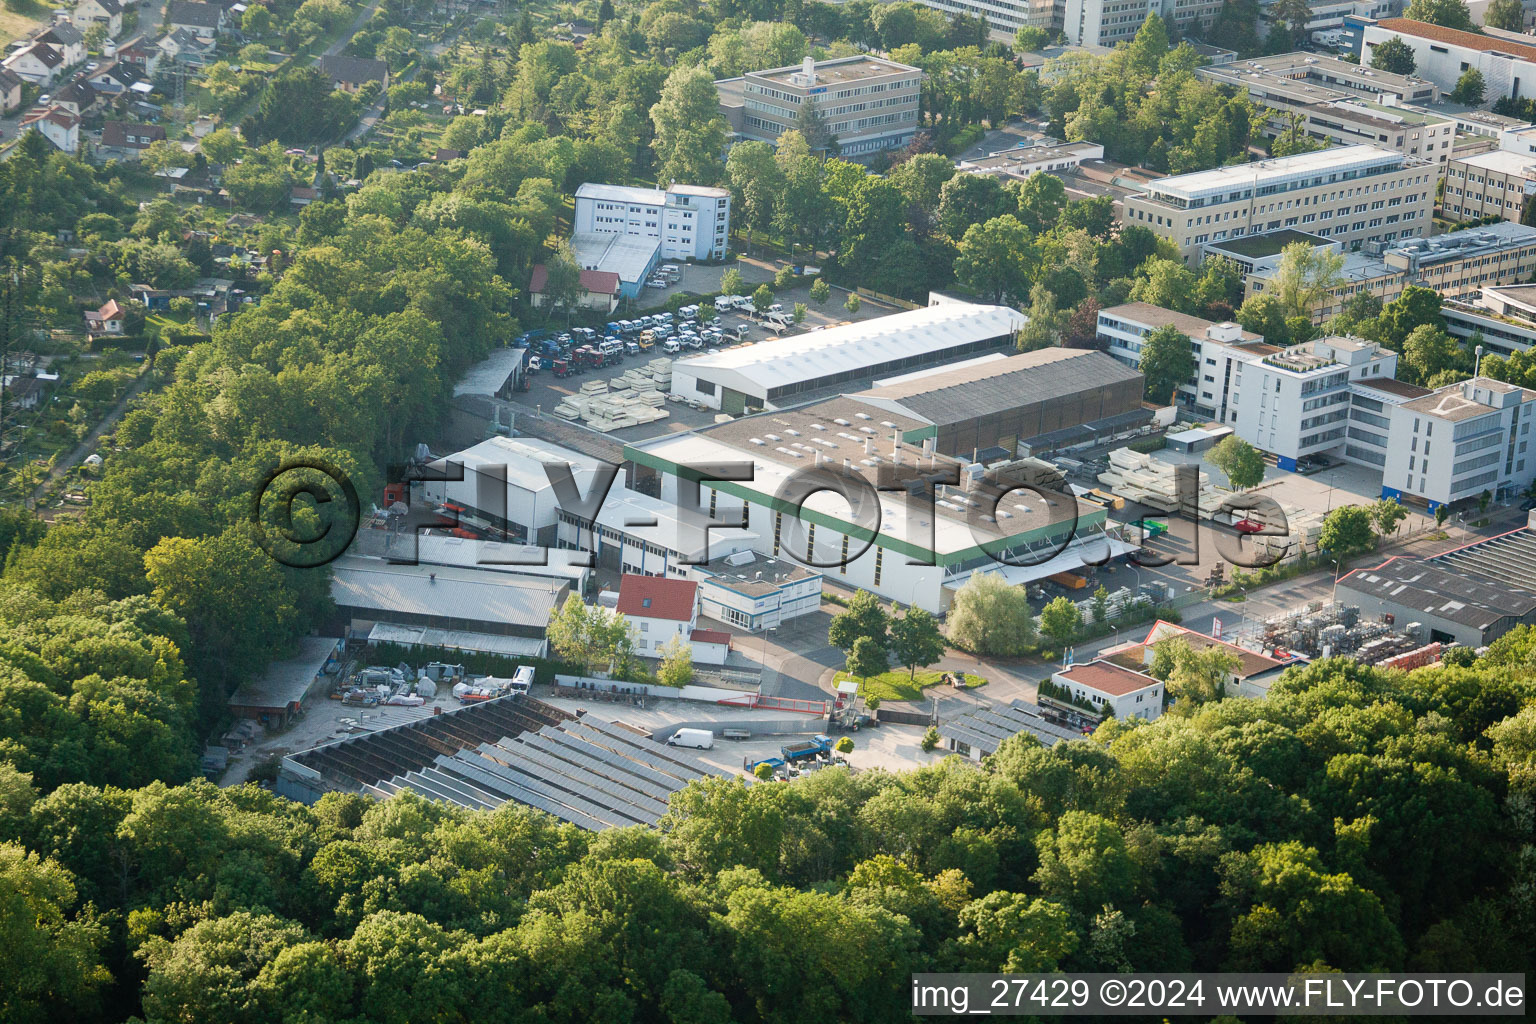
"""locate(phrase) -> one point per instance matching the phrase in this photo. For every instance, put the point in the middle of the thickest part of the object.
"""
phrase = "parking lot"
(546, 391)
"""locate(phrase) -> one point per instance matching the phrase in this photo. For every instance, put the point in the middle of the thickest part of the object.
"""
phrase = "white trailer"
(698, 739)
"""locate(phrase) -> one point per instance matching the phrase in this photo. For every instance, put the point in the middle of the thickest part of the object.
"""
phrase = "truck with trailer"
(696, 739)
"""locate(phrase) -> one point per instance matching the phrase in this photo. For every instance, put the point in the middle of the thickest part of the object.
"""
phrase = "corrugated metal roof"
(987, 388)
(441, 591)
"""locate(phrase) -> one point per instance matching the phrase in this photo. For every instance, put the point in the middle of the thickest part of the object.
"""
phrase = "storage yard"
(636, 398)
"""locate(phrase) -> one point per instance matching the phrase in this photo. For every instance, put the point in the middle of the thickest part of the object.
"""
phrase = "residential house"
(57, 125)
(10, 90)
(199, 17)
(106, 12)
(119, 77)
(1124, 692)
(599, 289)
(40, 64)
(79, 98)
(349, 74)
(106, 320)
(1251, 676)
(122, 140)
(21, 392)
(140, 51)
(67, 39)
(658, 609)
(186, 46)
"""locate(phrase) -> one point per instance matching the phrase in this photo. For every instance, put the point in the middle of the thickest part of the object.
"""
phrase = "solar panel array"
(985, 728)
(588, 772)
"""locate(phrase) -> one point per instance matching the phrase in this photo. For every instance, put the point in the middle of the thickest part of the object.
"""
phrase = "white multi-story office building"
(691, 222)
(1351, 194)
(1461, 440)
(1507, 63)
(869, 103)
(1216, 348)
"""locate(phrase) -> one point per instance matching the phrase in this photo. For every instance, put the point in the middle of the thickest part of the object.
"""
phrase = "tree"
(1264, 315)
(866, 658)
(862, 618)
(1166, 283)
(991, 616)
(1061, 620)
(1194, 676)
(1306, 278)
(562, 284)
(1386, 514)
(931, 739)
(1395, 56)
(731, 282)
(1239, 460)
(1442, 513)
(222, 146)
(853, 303)
(1448, 13)
(690, 131)
(676, 668)
(798, 313)
(784, 278)
(763, 771)
(1041, 198)
(1414, 308)
(1508, 15)
(916, 640)
(1347, 530)
(1484, 500)
(844, 745)
(762, 298)
(1100, 605)
(966, 200)
(1469, 88)
(820, 292)
(1167, 362)
(1044, 321)
(1296, 12)
(993, 258)
(52, 965)
(1428, 351)
(590, 636)
(256, 22)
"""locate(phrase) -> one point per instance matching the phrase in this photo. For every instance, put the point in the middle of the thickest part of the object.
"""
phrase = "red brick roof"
(710, 636)
(597, 282)
(1456, 37)
(656, 597)
(1107, 677)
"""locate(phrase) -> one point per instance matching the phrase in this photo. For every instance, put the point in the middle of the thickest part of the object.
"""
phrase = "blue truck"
(807, 750)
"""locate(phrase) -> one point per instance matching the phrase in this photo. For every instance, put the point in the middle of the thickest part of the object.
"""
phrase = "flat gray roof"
(444, 591)
(1445, 590)
(286, 682)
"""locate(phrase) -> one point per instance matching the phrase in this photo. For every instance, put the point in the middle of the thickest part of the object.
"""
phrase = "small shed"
(1196, 439)
(283, 690)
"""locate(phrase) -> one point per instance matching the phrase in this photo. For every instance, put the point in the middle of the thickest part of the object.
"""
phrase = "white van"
(522, 679)
(698, 739)
(672, 347)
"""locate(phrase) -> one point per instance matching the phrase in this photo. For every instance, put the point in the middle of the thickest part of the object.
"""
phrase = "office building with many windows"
(869, 103)
(1461, 440)
(1353, 195)
(690, 222)
(1488, 185)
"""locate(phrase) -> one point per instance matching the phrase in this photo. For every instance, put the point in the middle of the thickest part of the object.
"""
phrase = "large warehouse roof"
(1448, 592)
(758, 369)
(591, 773)
(949, 395)
(443, 592)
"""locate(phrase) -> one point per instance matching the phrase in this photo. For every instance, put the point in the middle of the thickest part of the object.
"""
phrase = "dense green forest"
(1355, 820)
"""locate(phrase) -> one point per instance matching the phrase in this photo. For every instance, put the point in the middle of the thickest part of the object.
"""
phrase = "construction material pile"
(627, 401)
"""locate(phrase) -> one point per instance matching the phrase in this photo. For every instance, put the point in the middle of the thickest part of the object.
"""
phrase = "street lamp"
(1478, 365)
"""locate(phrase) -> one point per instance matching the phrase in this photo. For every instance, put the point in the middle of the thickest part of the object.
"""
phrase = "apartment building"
(1507, 64)
(1360, 273)
(1459, 441)
(1217, 349)
(870, 104)
(1353, 195)
(1104, 22)
(1488, 185)
(1459, 265)
(691, 222)
(1006, 16)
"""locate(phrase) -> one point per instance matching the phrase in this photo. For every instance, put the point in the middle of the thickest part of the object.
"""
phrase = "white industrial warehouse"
(771, 372)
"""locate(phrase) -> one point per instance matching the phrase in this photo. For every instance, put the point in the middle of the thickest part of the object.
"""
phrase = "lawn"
(19, 18)
(897, 685)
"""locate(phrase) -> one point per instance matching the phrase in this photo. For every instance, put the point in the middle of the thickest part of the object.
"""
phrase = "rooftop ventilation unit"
(863, 415)
(757, 440)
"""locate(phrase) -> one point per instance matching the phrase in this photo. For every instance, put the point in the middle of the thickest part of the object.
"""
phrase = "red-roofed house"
(600, 289)
(710, 646)
(1129, 693)
(1252, 677)
(658, 609)
(106, 320)
(57, 125)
